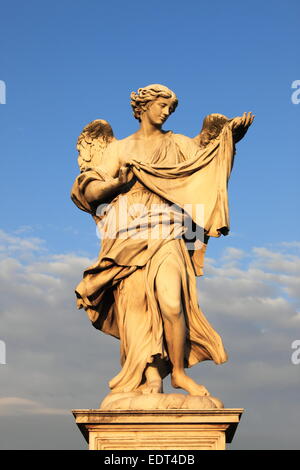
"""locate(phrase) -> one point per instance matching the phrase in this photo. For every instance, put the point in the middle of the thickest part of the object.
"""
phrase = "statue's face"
(158, 111)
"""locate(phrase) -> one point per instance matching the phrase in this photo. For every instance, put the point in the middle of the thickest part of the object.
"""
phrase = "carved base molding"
(158, 429)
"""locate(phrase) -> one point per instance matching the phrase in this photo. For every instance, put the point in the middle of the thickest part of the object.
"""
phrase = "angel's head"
(144, 98)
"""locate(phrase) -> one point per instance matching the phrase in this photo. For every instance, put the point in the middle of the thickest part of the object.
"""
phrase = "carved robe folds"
(178, 175)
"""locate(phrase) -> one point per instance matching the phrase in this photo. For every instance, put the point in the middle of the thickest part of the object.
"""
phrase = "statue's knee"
(171, 311)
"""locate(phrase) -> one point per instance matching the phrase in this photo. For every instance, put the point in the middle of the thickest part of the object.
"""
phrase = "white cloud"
(12, 244)
(16, 406)
(232, 254)
(56, 361)
(277, 261)
(23, 229)
(254, 305)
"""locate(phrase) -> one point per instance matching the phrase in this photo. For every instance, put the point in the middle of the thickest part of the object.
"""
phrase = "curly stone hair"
(141, 98)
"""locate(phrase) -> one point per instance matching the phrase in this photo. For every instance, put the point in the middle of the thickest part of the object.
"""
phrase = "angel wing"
(211, 128)
(214, 123)
(92, 142)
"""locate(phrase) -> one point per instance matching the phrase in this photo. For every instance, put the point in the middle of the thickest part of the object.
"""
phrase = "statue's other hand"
(125, 174)
(241, 124)
(244, 121)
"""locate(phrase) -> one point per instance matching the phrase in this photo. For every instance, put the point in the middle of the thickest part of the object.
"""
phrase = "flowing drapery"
(180, 174)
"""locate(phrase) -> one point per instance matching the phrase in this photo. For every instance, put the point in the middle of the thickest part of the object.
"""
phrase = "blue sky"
(66, 63)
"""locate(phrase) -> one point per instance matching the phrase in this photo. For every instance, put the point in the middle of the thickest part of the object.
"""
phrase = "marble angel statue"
(142, 289)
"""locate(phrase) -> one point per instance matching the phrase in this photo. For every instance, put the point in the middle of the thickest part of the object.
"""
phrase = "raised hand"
(125, 174)
(241, 124)
(245, 120)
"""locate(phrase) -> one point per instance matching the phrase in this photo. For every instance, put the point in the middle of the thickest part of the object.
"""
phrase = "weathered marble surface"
(159, 401)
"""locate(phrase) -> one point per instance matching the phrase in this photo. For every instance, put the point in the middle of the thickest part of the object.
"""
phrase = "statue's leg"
(168, 291)
(153, 383)
(135, 335)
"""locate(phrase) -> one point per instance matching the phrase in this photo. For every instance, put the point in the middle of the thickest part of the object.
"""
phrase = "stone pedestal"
(158, 429)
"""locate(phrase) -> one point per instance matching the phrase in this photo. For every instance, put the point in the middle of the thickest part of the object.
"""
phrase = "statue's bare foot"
(181, 380)
(153, 386)
(153, 383)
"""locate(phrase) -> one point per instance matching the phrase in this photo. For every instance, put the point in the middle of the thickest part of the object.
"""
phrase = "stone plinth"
(158, 429)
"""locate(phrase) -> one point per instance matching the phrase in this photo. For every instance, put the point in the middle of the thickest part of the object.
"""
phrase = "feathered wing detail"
(92, 142)
(214, 123)
(211, 129)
